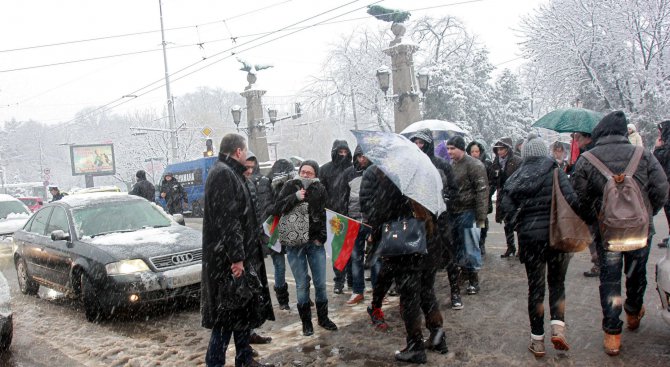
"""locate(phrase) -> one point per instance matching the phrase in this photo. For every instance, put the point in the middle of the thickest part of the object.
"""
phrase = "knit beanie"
(457, 142)
(534, 148)
(312, 164)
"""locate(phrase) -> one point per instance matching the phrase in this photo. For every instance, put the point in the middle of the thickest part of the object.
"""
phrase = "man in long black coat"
(143, 188)
(231, 250)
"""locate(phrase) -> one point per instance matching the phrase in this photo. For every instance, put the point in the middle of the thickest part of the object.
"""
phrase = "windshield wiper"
(110, 232)
(156, 226)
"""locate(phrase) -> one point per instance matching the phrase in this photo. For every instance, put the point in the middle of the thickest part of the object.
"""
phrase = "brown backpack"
(567, 231)
(623, 217)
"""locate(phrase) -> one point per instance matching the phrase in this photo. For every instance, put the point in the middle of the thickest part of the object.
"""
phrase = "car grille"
(176, 260)
(192, 290)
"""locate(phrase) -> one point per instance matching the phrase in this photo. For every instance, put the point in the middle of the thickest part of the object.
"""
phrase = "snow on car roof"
(97, 197)
(5, 197)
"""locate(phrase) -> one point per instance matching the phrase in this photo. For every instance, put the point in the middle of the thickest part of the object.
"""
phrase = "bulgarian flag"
(269, 227)
(342, 233)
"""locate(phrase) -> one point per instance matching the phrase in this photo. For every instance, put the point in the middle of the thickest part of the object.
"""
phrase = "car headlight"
(126, 267)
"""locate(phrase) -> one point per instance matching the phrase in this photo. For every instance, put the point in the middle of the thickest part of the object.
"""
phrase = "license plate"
(182, 277)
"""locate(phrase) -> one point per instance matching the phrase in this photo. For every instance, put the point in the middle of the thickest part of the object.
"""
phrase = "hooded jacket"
(526, 203)
(175, 195)
(354, 176)
(449, 184)
(615, 151)
(662, 153)
(332, 177)
(267, 188)
(500, 175)
(484, 158)
(143, 188)
(229, 235)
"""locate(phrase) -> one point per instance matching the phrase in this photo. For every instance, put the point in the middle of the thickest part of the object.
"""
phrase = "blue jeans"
(279, 263)
(299, 258)
(634, 266)
(465, 236)
(218, 344)
(356, 262)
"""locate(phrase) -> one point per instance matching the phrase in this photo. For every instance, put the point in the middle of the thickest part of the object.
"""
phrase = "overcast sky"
(55, 93)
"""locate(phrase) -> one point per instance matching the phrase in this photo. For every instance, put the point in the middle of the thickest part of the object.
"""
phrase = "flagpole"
(352, 219)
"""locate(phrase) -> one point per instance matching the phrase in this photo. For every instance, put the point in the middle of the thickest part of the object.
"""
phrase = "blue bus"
(192, 175)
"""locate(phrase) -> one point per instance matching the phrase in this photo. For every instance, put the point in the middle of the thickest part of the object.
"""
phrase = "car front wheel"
(92, 307)
(26, 284)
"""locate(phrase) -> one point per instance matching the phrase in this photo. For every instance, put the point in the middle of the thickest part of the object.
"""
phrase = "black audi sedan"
(110, 250)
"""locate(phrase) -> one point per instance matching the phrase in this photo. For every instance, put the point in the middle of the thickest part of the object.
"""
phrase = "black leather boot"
(322, 314)
(413, 353)
(282, 297)
(511, 250)
(305, 312)
(437, 341)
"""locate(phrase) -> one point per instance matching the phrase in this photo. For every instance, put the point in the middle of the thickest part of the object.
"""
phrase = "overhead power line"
(141, 33)
(120, 101)
(201, 44)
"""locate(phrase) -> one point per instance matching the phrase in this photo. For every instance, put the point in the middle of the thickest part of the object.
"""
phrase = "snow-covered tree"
(609, 54)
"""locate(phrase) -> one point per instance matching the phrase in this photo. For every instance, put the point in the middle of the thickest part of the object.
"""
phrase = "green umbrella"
(568, 120)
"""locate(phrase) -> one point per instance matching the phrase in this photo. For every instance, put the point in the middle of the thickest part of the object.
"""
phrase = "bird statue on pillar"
(251, 70)
(388, 15)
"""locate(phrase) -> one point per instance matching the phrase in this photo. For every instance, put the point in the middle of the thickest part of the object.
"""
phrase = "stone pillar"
(256, 136)
(406, 109)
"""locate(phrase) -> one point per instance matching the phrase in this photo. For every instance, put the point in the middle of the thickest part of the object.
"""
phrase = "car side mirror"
(59, 235)
(179, 219)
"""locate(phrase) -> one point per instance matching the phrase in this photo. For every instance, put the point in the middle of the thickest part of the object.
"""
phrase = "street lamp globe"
(236, 111)
(423, 77)
(384, 78)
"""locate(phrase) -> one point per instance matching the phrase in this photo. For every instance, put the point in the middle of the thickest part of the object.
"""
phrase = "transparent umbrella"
(405, 165)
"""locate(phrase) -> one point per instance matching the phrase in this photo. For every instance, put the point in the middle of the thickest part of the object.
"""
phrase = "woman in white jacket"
(633, 136)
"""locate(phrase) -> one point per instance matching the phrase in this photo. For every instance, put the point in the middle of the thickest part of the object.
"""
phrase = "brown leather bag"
(567, 231)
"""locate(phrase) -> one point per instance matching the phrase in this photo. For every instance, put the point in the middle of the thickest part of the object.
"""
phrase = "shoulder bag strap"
(598, 164)
(634, 161)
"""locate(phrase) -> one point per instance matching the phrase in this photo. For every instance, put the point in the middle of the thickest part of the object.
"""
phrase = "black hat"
(457, 142)
(312, 164)
(614, 123)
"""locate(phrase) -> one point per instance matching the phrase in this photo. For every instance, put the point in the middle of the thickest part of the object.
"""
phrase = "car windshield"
(11, 207)
(117, 216)
(29, 202)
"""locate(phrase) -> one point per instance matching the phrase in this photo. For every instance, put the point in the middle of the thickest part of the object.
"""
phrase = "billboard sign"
(94, 160)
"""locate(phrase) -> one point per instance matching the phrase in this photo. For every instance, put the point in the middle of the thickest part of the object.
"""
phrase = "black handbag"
(403, 237)
(236, 293)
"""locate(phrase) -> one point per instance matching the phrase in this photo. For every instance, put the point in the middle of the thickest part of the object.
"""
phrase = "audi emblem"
(182, 259)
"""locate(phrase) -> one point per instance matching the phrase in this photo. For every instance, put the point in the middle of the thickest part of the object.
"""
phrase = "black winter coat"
(175, 195)
(499, 177)
(315, 196)
(615, 151)
(145, 189)
(229, 235)
(381, 202)
(332, 177)
(662, 153)
(526, 204)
